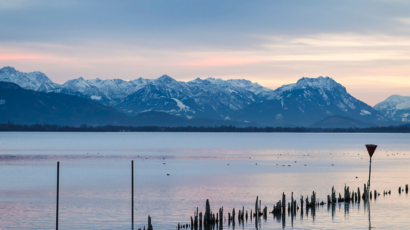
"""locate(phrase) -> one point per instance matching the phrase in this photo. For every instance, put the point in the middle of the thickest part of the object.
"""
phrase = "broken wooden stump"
(149, 223)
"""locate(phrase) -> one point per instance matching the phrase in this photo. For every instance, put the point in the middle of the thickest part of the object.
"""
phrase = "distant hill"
(341, 122)
(23, 106)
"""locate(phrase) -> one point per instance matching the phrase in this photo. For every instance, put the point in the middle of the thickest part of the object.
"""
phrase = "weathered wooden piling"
(365, 193)
(307, 203)
(207, 216)
(407, 188)
(260, 207)
(221, 216)
(292, 203)
(149, 224)
(346, 194)
(283, 203)
(256, 209)
(313, 200)
(265, 212)
(233, 216)
(132, 195)
(400, 190)
(58, 192)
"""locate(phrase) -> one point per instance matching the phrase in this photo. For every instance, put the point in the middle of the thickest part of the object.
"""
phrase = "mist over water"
(95, 178)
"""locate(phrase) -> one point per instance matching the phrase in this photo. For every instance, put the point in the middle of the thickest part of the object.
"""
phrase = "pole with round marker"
(370, 149)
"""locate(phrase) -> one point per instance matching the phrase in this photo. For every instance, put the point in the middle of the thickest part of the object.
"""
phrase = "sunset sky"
(364, 45)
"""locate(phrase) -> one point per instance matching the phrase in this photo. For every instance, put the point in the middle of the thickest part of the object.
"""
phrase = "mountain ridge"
(27, 107)
(303, 103)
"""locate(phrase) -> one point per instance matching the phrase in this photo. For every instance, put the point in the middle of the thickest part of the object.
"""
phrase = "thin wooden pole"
(58, 191)
(132, 195)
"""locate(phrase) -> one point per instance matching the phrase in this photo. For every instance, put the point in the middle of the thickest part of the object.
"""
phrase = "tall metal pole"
(132, 195)
(368, 183)
(58, 191)
(370, 149)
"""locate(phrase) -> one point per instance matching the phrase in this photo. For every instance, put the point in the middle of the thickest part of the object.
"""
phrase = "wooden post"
(132, 195)
(149, 224)
(58, 191)
(256, 210)
(283, 203)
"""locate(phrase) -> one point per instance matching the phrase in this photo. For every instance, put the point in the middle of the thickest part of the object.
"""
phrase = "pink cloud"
(19, 56)
(220, 62)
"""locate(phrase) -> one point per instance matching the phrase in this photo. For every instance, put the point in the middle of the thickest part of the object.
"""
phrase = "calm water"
(95, 175)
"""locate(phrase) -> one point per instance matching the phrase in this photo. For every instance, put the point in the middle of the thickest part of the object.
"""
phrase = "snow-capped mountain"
(36, 81)
(395, 107)
(307, 101)
(299, 104)
(210, 98)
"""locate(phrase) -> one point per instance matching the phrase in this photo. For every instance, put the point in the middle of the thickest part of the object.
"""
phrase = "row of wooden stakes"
(209, 220)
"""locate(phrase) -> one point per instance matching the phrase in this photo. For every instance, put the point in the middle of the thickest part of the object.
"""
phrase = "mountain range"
(240, 102)
(22, 106)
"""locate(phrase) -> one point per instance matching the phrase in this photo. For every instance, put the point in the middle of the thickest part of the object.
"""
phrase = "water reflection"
(100, 182)
(368, 211)
(333, 207)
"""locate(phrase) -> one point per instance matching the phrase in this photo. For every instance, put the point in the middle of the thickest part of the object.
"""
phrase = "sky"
(364, 45)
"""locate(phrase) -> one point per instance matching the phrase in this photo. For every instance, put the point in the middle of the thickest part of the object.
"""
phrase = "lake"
(229, 169)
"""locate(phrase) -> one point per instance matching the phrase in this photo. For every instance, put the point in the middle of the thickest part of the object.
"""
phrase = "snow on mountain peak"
(320, 82)
(395, 107)
(165, 78)
(34, 80)
(8, 70)
(394, 102)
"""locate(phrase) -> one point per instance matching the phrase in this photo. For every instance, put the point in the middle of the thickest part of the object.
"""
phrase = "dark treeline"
(110, 128)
